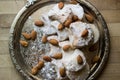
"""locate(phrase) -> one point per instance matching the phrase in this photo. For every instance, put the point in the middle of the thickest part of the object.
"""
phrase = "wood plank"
(15, 73)
(111, 16)
(4, 47)
(5, 73)
(111, 72)
(4, 33)
(106, 4)
(11, 7)
(5, 61)
(6, 19)
(114, 29)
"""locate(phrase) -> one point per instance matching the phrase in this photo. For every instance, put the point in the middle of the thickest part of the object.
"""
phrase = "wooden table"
(110, 9)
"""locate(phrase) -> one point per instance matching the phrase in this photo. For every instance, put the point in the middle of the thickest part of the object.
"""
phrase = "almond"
(68, 22)
(34, 70)
(39, 23)
(57, 56)
(53, 42)
(40, 64)
(66, 47)
(26, 36)
(60, 5)
(75, 18)
(33, 35)
(96, 59)
(47, 58)
(44, 39)
(73, 2)
(79, 59)
(62, 72)
(89, 18)
(24, 43)
(84, 33)
(60, 26)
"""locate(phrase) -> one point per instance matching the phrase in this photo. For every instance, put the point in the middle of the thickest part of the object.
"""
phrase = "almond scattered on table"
(66, 47)
(44, 39)
(62, 71)
(89, 18)
(39, 23)
(26, 36)
(34, 70)
(53, 42)
(75, 18)
(57, 56)
(60, 26)
(96, 59)
(68, 22)
(47, 58)
(60, 5)
(40, 64)
(33, 35)
(79, 59)
(84, 33)
(24, 43)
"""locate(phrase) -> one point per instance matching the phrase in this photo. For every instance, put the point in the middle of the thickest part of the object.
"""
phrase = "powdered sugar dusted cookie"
(83, 34)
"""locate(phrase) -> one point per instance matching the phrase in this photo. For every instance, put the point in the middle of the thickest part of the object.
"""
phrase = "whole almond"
(24, 43)
(44, 39)
(40, 64)
(57, 56)
(62, 72)
(33, 35)
(53, 42)
(66, 47)
(34, 70)
(26, 36)
(68, 22)
(79, 59)
(84, 33)
(89, 18)
(60, 5)
(73, 2)
(39, 23)
(75, 18)
(96, 59)
(47, 58)
(60, 26)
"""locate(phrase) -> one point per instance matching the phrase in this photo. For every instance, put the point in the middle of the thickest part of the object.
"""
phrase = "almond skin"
(89, 18)
(24, 43)
(75, 18)
(34, 70)
(60, 26)
(68, 22)
(44, 39)
(66, 47)
(26, 36)
(33, 35)
(53, 42)
(84, 33)
(62, 72)
(96, 59)
(60, 5)
(40, 64)
(57, 56)
(47, 58)
(39, 23)
(79, 59)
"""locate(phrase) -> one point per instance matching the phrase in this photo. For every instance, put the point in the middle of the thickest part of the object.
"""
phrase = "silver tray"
(33, 6)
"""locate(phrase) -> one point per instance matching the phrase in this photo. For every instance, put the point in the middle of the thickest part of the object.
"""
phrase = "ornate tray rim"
(94, 75)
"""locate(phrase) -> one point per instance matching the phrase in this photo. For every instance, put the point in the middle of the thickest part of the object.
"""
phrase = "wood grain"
(110, 9)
